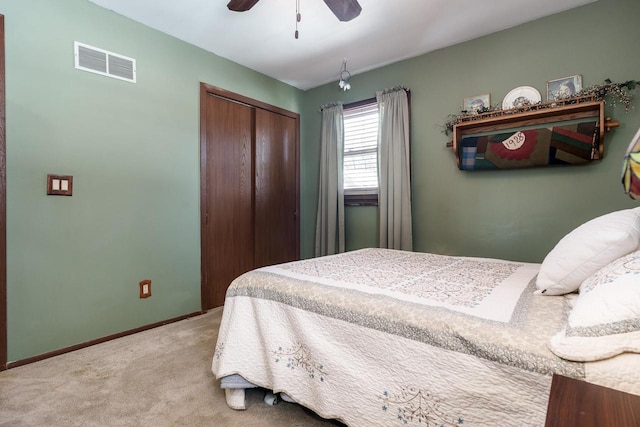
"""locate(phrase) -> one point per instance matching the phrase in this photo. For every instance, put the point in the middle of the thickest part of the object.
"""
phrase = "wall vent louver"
(100, 61)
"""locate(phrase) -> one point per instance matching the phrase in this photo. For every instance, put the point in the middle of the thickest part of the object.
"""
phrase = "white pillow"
(605, 320)
(588, 248)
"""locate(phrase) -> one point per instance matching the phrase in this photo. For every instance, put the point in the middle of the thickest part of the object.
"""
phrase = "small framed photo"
(473, 104)
(563, 88)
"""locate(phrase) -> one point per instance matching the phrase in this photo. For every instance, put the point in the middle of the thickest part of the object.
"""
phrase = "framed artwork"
(473, 104)
(565, 87)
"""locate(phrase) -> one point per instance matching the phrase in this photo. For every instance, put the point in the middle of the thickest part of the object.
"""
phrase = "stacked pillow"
(587, 249)
(605, 320)
(601, 260)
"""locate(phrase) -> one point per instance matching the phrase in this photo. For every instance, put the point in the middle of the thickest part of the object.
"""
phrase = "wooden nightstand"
(578, 403)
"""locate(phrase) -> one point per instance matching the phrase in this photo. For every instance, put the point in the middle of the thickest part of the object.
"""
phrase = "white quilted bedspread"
(382, 337)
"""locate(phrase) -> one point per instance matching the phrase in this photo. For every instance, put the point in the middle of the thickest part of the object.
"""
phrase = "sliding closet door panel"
(275, 189)
(249, 188)
(229, 195)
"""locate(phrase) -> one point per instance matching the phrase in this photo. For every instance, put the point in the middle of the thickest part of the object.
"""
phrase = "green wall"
(74, 263)
(518, 214)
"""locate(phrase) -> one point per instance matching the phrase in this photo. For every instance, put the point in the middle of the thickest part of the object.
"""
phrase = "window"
(361, 153)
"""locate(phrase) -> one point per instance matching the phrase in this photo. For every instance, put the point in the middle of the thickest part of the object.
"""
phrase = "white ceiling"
(386, 31)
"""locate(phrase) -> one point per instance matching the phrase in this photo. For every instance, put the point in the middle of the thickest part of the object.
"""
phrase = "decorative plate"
(522, 95)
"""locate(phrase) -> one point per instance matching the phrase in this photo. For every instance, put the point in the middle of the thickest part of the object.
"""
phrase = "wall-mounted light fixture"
(344, 77)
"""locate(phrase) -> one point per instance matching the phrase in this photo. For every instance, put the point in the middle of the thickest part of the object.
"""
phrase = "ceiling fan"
(345, 10)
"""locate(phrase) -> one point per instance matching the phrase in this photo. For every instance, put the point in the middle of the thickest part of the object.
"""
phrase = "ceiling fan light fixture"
(345, 75)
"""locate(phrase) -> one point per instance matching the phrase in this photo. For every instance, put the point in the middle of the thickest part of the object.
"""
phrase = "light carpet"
(159, 377)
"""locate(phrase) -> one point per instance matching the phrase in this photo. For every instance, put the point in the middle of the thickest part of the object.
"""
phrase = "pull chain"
(298, 16)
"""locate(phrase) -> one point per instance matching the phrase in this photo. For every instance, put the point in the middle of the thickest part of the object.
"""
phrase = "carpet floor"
(159, 377)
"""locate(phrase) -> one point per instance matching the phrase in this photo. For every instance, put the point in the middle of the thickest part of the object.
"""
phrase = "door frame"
(206, 90)
(3, 208)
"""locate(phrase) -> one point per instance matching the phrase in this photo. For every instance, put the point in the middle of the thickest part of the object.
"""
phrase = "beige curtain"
(394, 198)
(330, 217)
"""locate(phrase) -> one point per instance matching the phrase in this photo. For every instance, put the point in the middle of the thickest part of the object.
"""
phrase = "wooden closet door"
(227, 249)
(276, 200)
(249, 188)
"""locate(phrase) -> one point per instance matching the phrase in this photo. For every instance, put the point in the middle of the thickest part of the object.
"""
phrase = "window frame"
(361, 199)
(371, 199)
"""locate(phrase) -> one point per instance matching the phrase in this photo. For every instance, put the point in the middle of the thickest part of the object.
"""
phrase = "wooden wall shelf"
(526, 117)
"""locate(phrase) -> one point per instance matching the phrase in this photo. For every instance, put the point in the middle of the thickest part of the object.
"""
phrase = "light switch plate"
(59, 185)
(145, 288)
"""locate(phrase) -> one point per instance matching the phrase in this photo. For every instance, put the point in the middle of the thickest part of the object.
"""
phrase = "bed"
(386, 337)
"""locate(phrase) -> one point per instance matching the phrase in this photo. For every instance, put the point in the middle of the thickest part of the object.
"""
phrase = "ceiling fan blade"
(241, 5)
(345, 10)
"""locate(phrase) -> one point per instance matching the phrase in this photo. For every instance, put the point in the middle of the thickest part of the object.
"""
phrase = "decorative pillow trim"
(622, 327)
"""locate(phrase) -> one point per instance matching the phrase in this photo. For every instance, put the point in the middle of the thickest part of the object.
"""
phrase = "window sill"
(361, 200)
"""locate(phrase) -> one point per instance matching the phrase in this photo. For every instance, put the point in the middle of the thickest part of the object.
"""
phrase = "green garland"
(615, 92)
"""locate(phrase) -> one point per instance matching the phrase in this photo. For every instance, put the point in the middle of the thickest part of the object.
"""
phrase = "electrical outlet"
(145, 288)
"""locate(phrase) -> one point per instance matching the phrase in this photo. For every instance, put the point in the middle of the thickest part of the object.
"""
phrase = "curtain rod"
(395, 89)
(389, 90)
(330, 104)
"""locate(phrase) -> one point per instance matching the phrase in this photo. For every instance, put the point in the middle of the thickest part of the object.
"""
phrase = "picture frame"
(473, 104)
(563, 88)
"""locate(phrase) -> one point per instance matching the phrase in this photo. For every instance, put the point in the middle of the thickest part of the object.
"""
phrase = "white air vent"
(100, 61)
